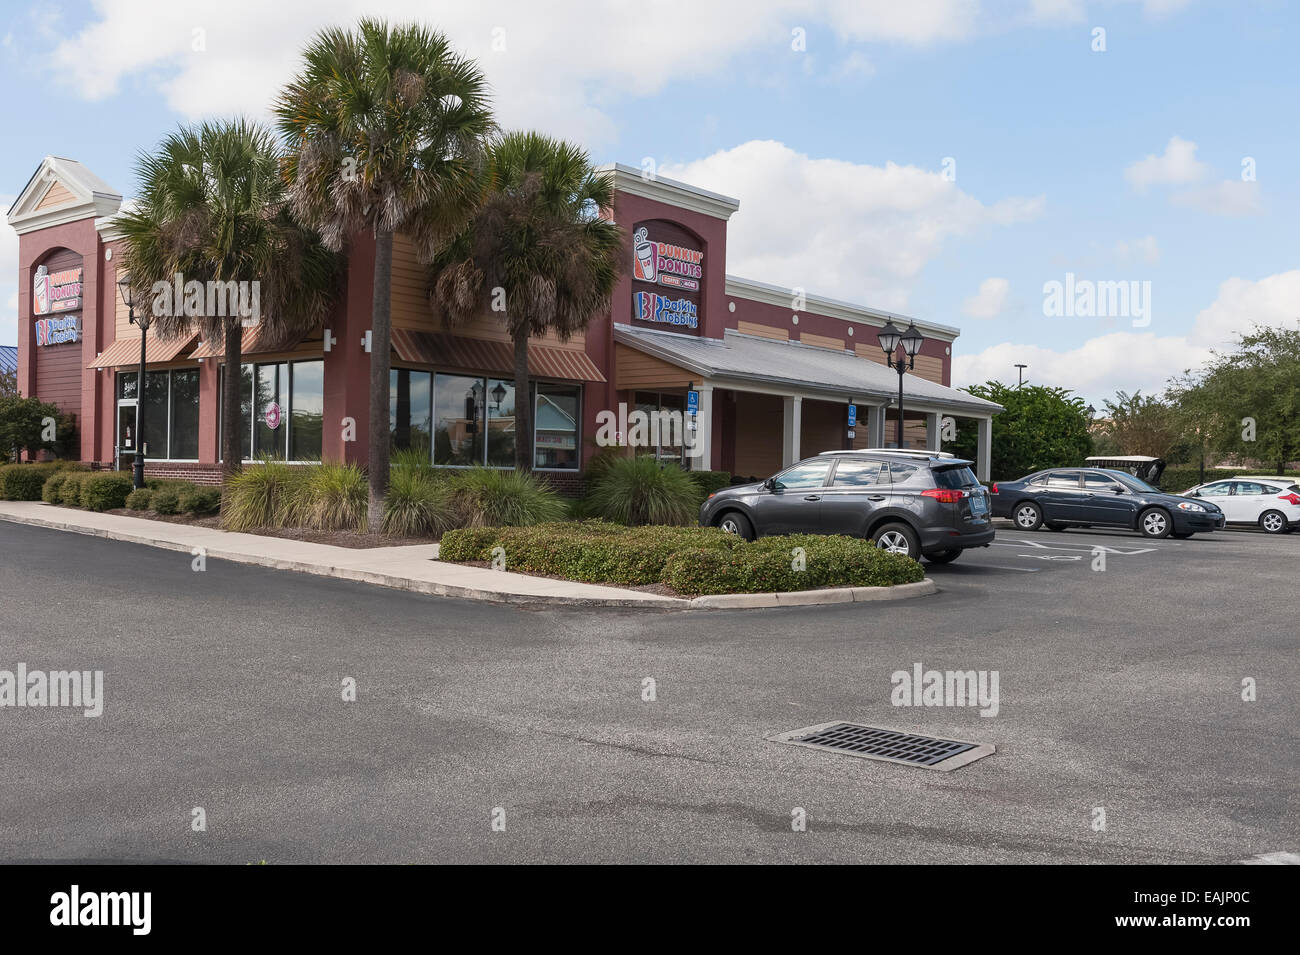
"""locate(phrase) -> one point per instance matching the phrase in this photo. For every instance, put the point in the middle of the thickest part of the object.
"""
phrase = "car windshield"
(1132, 483)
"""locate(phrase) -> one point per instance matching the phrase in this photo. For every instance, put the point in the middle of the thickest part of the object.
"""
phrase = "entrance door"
(126, 434)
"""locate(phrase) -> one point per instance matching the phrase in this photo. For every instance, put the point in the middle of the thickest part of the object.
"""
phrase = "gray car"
(907, 502)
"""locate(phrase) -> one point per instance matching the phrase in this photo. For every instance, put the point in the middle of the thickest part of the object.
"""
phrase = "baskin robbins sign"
(667, 275)
(56, 291)
(58, 331)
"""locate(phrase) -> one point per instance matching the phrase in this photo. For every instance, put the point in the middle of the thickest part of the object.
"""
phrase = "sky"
(1104, 191)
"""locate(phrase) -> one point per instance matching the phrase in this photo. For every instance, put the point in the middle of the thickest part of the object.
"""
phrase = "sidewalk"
(413, 567)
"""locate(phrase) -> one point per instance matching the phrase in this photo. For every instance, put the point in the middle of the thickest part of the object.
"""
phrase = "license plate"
(979, 505)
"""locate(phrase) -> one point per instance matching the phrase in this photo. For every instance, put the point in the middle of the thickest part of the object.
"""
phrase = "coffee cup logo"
(644, 263)
(41, 290)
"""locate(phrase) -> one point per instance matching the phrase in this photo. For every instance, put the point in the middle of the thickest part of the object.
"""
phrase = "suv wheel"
(1153, 522)
(1028, 516)
(1273, 522)
(734, 522)
(897, 538)
(943, 556)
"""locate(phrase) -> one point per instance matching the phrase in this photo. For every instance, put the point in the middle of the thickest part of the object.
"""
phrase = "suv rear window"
(955, 478)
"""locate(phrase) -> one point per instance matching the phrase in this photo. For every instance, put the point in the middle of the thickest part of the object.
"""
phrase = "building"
(760, 375)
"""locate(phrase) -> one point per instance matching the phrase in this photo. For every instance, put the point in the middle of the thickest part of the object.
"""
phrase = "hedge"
(1176, 480)
(23, 482)
(691, 560)
(70, 489)
(200, 501)
(167, 499)
(710, 482)
(140, 499)
(104, 491)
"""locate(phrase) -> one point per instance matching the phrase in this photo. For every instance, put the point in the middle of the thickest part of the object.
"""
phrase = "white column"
(875, 426)
(932, 431)
(701, 447)
(793, 424)
(984, 449)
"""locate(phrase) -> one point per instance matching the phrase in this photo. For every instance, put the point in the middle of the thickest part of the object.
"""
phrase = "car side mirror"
(1118, 490)
(771, 484)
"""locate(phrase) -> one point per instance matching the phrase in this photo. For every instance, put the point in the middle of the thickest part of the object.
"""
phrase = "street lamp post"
(1020, 372)
(128, 299)
(911, 339)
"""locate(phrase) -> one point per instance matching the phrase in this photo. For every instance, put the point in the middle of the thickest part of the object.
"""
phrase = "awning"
(126, 351)
(479, 354)
(737, 359)
(253, 342)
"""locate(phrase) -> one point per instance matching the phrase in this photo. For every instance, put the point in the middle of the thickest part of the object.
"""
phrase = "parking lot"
(1120, 706)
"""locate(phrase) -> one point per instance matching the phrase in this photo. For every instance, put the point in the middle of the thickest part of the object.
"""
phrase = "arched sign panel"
(667, 277)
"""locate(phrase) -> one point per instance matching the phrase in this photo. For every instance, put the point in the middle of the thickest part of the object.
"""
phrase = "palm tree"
(213, 206)
(385, 128)
(538, 235)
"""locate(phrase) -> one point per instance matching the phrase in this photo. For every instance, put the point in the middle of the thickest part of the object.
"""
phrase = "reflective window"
(854, 473)
(1098, 482)
(555, 425)
(271, 384)
(1249, 487)
(306, 410)
(1221, 489)
(1063, 479)
(170, 409)
(153, 414)
(900, 472)
(955, 478)
(410, 410)
(184, 430)
(459, 410)
(812, 474)
(500, 400)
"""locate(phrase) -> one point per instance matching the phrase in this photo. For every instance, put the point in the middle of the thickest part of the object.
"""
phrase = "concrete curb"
(798, 598)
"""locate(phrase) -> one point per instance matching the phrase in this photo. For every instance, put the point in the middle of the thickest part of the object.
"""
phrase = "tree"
(1139, 424)
(31, 425)
(1248, 401)
(1041, 428)
(8, 384)
(213, 207)
(385, 129)
(537, 253)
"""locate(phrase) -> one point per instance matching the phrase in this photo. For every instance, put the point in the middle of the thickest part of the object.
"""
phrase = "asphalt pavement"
(1120, 698)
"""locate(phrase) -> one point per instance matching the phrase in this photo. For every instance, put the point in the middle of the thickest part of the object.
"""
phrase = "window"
(663, 434)
(852, 473)
(270, 387)
(555, 426)
(306, 410)
(170, 408)
(955, 478)
(1222, 489)
(500, 400)
(812, 474)
(410, 410)
(1098, 482)
(458, 408)
(1249, 487)
(1063, 479)
(900, 473)
(293, 429)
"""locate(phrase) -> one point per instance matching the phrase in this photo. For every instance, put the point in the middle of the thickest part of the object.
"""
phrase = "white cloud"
(1178, 165)
(855, 66)
(1231, 197)
(848, 230)
(1131, 360)
(989, 301)
(1145, 250)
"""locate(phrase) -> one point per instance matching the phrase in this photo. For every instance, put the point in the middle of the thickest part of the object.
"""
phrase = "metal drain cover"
(894, 746)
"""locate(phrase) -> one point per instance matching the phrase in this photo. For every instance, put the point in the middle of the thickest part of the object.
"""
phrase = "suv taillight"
(1291, 498)
(944, 495)
(994, 488)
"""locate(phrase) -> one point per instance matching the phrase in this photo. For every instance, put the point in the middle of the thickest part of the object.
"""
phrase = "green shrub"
(23, 482)
(140, 499)
(1176, 480)
(167, 499)
(327, 497)
(769, 564)
(70, 489)
(639, 490)
(419, 502)
(200, 501)
(104, 490)
(259, 495)
(710, 482)
(485, 497)
(50, 490)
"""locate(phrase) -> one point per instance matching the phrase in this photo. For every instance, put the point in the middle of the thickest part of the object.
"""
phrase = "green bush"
(50, 490)
(70, 489)
(259, 495)
(691, 560)
(167, 499)
(140, 499)
(23, 482)
(104, 490)
(709, 482)
(1176, 480)
(769, 564)
(485, 497)
(639, 490)
(419, 503)
(327, 497)
(200, 501)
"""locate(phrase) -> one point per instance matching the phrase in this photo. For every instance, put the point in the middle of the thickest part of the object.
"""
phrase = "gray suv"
(916, 503)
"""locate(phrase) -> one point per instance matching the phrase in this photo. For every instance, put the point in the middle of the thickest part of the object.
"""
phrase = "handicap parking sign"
(853, 416)
(692, 402)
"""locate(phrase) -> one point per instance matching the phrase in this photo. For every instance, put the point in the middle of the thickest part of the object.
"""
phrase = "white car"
(1272, 503)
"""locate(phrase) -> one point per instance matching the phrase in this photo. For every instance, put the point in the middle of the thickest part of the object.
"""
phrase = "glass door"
(126, 433)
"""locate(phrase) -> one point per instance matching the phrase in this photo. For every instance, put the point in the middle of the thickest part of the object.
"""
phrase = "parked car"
(907, 502)
(1272, 503)
(1059, 497)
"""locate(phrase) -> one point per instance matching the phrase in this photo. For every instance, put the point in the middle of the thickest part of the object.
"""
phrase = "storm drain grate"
(874, 742)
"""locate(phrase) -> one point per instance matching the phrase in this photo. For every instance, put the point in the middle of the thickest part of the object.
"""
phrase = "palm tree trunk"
(523, 407)
(233, 424)
(380, 363)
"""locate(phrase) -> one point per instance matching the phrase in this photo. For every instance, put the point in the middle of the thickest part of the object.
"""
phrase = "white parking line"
(1271, 858)
(1091, 548)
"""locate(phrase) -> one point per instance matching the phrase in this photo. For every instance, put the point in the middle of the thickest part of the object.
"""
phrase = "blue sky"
(830, 122)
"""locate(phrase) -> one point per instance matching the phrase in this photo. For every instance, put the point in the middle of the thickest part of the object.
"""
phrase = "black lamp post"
(890, 337)
(128, 299)
(498, 395)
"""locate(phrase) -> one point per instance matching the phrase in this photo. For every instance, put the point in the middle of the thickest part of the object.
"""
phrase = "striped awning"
(253, 342)
(126, 351)
(482, 355)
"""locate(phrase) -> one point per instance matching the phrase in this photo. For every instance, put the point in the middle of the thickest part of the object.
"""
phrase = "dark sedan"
(1060, 497)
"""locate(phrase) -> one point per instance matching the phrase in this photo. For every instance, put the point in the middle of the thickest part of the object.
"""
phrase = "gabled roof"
(91, 196)
(8, 358)
(805, 369)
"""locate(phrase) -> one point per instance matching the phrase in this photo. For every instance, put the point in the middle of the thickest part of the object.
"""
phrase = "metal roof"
(840, 374)
(8, 358)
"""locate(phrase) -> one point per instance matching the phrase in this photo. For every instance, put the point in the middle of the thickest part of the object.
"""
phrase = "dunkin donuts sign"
(56, 291)
(664, 263)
